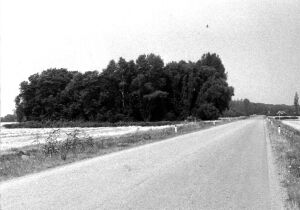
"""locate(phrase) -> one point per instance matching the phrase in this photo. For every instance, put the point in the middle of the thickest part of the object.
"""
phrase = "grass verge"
(286, 147)
(19, 162)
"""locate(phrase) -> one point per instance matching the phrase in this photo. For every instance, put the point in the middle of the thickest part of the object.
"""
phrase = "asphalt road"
(225, 167)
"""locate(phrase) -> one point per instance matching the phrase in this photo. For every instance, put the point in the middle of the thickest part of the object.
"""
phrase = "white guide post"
(175, 128)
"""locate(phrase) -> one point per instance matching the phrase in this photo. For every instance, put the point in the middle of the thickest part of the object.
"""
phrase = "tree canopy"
(141, 90)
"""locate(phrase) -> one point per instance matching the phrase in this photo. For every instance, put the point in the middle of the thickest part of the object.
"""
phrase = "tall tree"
(40, 98)
(247, 105)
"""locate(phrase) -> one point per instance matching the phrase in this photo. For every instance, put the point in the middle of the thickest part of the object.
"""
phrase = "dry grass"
(286, 147)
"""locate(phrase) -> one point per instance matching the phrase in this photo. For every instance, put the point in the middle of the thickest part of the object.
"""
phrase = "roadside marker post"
(279, 129)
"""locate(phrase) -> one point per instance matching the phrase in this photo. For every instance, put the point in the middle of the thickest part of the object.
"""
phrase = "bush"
(51, 146)
(72, 143)
(208, 112)
(170, 116)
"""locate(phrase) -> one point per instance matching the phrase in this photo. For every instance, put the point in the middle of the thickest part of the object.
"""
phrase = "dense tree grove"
(141, 90)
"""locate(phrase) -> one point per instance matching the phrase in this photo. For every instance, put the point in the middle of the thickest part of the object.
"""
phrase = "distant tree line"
(141, 90)
(244, 107)
(9, 118)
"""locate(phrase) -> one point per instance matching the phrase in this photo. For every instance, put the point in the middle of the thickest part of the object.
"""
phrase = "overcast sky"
(258, 41)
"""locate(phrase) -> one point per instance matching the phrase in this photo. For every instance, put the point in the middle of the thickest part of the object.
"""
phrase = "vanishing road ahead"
(225, 167)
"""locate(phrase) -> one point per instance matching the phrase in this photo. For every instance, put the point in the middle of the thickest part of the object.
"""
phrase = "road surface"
(225, 167)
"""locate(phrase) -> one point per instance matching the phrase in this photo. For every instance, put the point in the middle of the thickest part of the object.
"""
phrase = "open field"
(21, 137)
(293, 123)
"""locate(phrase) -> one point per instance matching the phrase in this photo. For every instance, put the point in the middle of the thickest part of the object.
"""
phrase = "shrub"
(170, 116)
(51, 145)
(207, 112)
